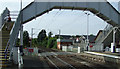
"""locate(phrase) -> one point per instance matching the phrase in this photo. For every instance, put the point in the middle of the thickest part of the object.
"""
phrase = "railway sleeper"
(93, 58)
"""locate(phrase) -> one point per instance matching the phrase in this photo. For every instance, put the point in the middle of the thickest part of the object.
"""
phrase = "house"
(68, 40)
(83, 41)
(64, 42)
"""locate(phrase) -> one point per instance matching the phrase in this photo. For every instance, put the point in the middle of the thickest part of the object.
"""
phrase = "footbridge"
(104, 10)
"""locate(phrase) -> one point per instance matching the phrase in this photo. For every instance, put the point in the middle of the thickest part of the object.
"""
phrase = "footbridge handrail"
(6, 49)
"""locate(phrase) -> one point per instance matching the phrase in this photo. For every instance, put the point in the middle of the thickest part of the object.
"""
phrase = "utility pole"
(48, 37)
(59, 33)
(87, 29)
(31, 36)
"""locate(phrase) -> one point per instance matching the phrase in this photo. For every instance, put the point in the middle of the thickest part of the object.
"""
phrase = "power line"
(53, 19)
(73, 21)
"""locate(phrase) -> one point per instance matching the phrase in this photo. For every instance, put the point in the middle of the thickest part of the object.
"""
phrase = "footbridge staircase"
(4, 38)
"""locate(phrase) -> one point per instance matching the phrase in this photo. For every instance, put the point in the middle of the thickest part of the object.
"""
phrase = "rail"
(6, 49)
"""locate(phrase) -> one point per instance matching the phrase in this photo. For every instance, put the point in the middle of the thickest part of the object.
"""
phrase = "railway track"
(58, 63)
(73, 61)
(80, 62)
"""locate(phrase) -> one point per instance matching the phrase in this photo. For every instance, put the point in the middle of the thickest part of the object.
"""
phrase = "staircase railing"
(2, 24)
(107, 29)
(14, 32)
(105, 33)
(6, 49)
(3, 15)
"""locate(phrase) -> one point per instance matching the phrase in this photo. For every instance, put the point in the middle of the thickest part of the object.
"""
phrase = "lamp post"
(87, 30)
(31, 36)
(114, 45)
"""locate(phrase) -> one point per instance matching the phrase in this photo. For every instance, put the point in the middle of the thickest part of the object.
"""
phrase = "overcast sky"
(68, 21)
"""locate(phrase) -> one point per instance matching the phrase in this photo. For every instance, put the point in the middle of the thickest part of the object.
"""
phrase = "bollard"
(78, 49)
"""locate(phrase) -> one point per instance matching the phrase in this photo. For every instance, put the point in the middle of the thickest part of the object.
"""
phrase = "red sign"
(30, 50)
(91, 46)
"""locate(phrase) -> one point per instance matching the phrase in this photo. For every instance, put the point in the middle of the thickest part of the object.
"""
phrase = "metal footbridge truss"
(104, 10)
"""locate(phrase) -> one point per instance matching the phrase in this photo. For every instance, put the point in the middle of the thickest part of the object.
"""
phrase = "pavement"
(34, 63)
(31, 63)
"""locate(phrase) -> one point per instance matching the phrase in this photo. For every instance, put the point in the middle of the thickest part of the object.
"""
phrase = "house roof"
(98, 33)
(90, 37)
(65, 36)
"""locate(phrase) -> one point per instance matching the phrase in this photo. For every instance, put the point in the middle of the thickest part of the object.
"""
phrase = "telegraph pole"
(59, 33)
(87, 29)
(31, 36)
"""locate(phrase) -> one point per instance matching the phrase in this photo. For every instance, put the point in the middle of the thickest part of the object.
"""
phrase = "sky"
(70, 22)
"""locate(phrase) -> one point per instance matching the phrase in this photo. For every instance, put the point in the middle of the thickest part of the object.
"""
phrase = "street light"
(87, 29)
(31, 36)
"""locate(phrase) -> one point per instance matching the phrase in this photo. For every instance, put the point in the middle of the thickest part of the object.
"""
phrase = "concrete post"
(112, 47)
(71, 48)
(78, 49)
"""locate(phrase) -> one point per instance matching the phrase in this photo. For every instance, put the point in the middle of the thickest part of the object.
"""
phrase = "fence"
(30, 51)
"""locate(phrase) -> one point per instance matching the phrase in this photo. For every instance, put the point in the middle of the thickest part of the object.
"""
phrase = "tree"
(42, 37)
(52, 43)
(91, 35)
(55, 43)
(34, 42)
(50, 34)
(26, 39)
